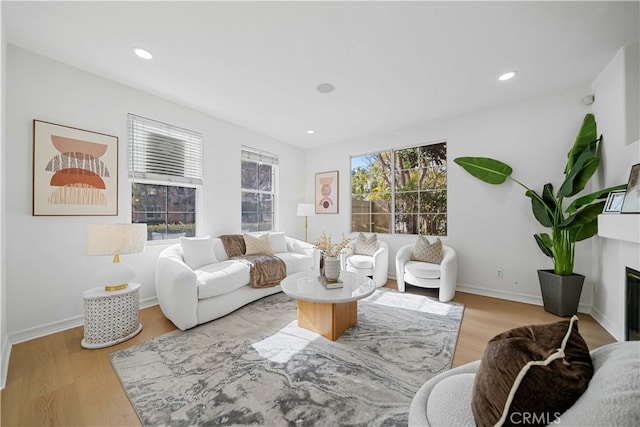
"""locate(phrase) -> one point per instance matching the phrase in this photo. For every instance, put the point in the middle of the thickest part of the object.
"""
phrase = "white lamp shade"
(306, 209)
(115, 239)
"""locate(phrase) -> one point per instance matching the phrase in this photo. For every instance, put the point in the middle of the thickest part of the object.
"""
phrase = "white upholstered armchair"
(428, 275)
(376, 265)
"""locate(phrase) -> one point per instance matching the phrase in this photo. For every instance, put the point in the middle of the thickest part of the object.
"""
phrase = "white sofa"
(610, 399)
(192, 296)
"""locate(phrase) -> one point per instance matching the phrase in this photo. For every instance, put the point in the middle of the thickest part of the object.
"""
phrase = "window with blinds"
(259, 190)
(165, 165)
(161, 151)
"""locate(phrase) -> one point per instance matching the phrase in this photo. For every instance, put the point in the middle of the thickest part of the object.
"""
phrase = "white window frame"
(141, 173)
(393, 182)
(262, 157)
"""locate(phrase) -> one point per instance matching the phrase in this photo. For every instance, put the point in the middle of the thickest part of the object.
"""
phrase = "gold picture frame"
(326, 198)
(75, 171)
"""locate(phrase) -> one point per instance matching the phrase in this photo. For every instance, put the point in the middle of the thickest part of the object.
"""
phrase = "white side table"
(110, 317)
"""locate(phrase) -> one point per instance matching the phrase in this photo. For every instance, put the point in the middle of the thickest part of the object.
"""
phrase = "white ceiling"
(393, 64)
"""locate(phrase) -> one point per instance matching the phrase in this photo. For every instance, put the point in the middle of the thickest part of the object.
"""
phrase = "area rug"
(256, 366)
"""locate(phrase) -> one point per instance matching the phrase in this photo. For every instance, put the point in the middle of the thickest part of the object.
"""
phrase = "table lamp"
(306, 210)
(115, 240)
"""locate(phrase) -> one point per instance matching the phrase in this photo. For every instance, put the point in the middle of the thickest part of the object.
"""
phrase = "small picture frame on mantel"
(614, 202)
(631, 203)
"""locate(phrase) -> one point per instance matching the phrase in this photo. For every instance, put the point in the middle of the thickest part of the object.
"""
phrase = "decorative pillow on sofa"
(427, 252)
(297, 248)
(198, 251)
(278, 242)
(366, 246)
(258, 245)
(531, 375)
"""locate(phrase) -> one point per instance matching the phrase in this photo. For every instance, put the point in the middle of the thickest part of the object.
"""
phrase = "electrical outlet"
(499, 273)
(595, 288)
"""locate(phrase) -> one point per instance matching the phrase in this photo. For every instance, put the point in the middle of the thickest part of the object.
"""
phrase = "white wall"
(5, 347)
(46, 268)
(612, 102)
(491, 227)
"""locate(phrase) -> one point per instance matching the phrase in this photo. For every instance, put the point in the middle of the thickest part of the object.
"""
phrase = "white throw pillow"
(198, 251)
(297, 247)
(257, 245)
(278, 242)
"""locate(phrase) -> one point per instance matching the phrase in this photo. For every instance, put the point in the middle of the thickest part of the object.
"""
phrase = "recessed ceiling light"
(325, 88)
(311, 131)
(507, 76)
(142, 53)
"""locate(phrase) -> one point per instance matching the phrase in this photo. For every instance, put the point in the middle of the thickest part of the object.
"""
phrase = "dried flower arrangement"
(331, 249)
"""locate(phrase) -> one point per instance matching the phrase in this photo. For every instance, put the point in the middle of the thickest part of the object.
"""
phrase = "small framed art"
(326, 199)
(631, 203)
(75, 171)
(614, 202)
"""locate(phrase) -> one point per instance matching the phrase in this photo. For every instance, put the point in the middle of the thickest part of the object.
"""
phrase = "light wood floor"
(53, 381)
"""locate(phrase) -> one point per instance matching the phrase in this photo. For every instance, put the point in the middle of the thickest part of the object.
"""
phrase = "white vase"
(331, 268)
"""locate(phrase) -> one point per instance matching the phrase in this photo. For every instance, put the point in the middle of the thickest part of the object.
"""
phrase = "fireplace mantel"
(625, 227)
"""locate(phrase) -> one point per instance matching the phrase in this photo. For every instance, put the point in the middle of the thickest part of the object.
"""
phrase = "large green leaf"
(574, 178)
(587, 231)
(583, 176)
(543, 207)
(544, 243)
(485, 169)
(587, 133)
(585, 221)
(585, 200)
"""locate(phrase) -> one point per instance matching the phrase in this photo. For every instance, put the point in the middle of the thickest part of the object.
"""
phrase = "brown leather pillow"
(545, 368)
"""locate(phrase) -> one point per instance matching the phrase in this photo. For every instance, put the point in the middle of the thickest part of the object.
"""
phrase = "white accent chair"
(375, 266)
(426, 274)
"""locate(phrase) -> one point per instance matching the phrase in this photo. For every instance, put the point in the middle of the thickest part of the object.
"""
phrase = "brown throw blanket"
(265, 271)
(233, 244)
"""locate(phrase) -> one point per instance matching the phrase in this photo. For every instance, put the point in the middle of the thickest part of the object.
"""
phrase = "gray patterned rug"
(255, 366)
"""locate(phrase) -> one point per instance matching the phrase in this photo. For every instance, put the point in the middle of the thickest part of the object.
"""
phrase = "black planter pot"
(560, 294)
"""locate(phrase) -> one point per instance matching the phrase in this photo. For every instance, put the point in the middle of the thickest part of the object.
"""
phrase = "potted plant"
(330, 252)
(560, 287)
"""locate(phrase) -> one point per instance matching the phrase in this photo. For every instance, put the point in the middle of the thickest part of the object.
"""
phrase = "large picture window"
(259, 190)
(400, 191)
(165, 165)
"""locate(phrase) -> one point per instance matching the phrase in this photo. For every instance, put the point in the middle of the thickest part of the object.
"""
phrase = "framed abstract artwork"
(75, 171)
(326, 199)
(631, 202)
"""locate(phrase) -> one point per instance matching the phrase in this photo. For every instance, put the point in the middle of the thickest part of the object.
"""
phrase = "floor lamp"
(306, 210)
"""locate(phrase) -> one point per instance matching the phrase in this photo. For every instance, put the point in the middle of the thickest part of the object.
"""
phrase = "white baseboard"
(513, 296)
(148, 302)
(61, 325)
(510, 296)
(46, 329)
(496, 293)
(606, 323)
(6, 353)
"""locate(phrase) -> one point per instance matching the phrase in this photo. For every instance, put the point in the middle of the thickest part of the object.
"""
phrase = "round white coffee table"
(328, 312)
